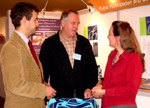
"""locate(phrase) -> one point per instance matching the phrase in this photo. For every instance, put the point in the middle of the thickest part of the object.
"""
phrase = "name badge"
(76, 56)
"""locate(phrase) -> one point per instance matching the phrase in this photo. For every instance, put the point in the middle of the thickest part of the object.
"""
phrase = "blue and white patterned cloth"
(72, 103)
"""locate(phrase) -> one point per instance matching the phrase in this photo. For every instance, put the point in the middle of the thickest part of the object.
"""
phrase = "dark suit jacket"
(63, 78)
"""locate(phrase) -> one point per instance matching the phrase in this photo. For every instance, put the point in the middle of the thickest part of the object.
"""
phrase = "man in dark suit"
(68, 59)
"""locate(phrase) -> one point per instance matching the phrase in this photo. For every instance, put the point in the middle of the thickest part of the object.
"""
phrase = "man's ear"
(62, 23)
(23, 21)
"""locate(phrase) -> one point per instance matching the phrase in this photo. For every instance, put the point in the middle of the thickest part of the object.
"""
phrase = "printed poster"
(95, 49)
(145, 26)
(90, 32)
(47, 28)
(148, 25)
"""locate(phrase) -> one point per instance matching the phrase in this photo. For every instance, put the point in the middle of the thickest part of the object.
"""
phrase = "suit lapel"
(25, 49)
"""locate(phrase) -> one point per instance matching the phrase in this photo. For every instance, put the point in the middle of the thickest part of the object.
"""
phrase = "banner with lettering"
(104, 6)
(46, 28)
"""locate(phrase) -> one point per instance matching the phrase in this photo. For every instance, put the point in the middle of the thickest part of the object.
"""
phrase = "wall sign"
(104, 6)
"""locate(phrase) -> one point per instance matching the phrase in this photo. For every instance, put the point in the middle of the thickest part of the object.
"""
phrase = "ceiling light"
(112, 1)
(90, 7)
(44, 9)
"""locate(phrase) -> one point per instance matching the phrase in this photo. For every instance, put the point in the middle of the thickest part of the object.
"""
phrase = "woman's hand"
(97, 91)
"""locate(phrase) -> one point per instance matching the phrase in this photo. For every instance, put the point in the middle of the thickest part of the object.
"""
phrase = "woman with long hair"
(123, 70)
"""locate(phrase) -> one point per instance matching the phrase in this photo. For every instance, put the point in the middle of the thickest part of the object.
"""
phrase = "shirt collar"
(25, 39)
(67, 41)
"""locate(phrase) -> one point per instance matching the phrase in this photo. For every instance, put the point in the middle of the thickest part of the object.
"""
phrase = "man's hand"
(87, 93)
(50, 92)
